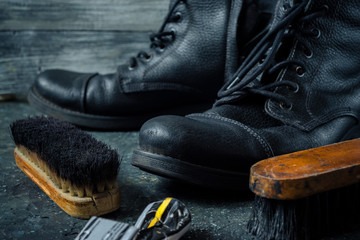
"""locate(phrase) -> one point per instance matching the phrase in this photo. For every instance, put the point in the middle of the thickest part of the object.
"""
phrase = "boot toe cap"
(61, 88)
(206, 142)
(165, 135)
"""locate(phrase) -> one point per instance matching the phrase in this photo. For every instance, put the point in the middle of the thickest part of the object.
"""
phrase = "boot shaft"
(193, 57)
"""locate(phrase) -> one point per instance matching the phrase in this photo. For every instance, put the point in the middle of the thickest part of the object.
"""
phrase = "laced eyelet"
(148, 58)
(296, 89)
(178, 16)
(285, 107)
(300, 71)
(326, 8)
(262, 61)
(308, 53)
(285, 8)
(161, 48)
(317, 32)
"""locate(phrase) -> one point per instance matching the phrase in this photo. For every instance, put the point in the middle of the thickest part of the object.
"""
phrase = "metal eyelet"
(325, 7)
(285, 107)
(317, 33)
(297, 88)
(178, 15)
(173, 32)
(300, 71)
(284, 9)
(161, 48)
(149, 58)
(308, 53)
(262, 61)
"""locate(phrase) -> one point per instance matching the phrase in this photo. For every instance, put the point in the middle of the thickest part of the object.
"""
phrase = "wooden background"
(79, 35)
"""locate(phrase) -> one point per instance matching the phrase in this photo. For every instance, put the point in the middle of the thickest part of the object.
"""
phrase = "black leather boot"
(298, 89)
(180, 73)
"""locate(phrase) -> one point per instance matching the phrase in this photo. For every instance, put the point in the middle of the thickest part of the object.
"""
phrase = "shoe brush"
(74, 169)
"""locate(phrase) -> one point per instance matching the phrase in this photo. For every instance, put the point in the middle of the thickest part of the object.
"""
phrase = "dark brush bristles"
(308, 218)
(68, 151)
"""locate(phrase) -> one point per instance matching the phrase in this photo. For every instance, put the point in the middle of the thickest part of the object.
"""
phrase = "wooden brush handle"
(301, 174)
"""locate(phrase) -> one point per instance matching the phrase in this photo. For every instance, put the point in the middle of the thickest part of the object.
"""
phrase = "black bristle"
(322, 214)
(68, 151)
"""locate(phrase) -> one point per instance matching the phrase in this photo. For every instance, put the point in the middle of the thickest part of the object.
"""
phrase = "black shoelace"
(268, 46)
(161, 38)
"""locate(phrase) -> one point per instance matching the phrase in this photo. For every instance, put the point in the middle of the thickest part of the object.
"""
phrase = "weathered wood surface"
(24, 54)
(93, 35)
(101, 15)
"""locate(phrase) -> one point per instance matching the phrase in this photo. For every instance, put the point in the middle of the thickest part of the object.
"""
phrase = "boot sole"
(105, 122)
(187, 172)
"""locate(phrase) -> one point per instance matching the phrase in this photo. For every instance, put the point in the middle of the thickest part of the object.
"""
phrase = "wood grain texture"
(93, 35)
(98, 15)
(24, 54)
(301, 174)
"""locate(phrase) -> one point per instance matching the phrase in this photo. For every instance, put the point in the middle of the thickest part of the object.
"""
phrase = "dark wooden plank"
(102, 15)
(26, 53)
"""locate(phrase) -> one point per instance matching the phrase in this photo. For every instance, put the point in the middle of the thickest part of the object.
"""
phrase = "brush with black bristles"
(307, 194)
(74, 169)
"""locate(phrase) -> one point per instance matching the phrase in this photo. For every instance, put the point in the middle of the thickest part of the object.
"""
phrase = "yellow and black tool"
(163, 220)
(167, 219)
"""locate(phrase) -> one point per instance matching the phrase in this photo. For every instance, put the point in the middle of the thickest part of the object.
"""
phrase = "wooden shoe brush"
(74, 169)
(307, 194)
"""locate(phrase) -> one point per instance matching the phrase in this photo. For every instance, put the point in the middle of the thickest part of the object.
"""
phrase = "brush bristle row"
(308, 218)
(75, 161)
(65, 185)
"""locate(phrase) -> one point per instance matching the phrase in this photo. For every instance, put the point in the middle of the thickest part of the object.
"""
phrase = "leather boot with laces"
(179, 74)
(299, 88)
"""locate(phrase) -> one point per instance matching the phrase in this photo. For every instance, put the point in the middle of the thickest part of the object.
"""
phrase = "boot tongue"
(282, 8)
(291, 3)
